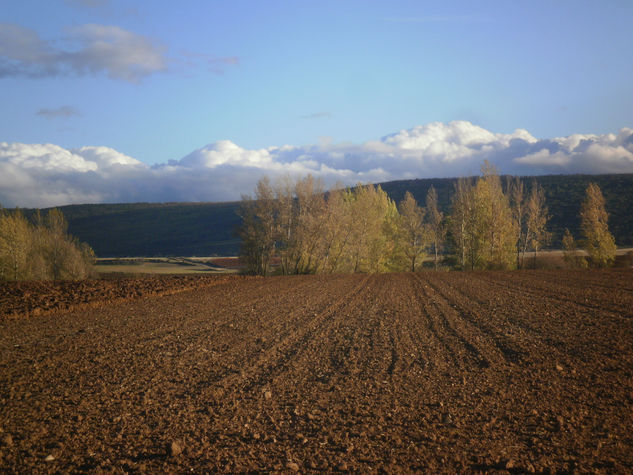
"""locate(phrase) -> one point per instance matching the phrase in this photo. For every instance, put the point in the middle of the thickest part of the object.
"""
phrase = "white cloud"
(94, 49)
(545, 158)
(44, 158)
(119, 53)
(226, 152)
(40, 175)
(106, 158)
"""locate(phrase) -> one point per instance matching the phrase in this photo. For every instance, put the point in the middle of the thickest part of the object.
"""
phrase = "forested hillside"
(156, 229)
(204, 229)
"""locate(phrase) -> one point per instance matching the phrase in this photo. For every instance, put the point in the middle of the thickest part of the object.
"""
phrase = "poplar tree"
(309, 210)
(435, 220)
(517, 200)
(570, 251)
(371, 210)
(63, 256)
(15, 244)
(499, 230)
(537, 217)
(598, 241)
(284, 223)
(55, 248)
(460, 220)
(412, 233)
(258, 231)
(334, 244)
(482, 225)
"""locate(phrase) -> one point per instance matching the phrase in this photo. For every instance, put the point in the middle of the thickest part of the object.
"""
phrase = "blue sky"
(157, 81)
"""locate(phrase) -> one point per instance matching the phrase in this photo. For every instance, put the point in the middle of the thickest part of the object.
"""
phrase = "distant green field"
(209, 229)
(140, 265)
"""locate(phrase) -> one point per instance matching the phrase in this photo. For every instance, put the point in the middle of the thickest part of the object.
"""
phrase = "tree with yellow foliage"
(41, 251)
(483, 229)
(15, 245)
(598, 241)
(412, 234)
(435, 223)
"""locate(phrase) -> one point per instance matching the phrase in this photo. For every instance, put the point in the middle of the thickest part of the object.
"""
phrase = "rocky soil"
(435, 372)
(24, 299)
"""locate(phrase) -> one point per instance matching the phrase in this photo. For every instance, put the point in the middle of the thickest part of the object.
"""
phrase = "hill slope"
(151, 229)
(205, 229)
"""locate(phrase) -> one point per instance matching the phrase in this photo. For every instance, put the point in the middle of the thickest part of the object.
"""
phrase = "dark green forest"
(207, 229)
(156, 229)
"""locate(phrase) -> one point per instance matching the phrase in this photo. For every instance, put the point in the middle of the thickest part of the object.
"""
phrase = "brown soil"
(436, 372)
(237, 263)
(24, 299)
(227, 262)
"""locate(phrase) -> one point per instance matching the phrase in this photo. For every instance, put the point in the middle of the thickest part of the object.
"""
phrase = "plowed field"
(434, 372)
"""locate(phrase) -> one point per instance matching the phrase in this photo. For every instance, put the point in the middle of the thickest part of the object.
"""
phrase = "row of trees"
(298, 227)
(41, 249)
(305, 230)
(597, 242)
(493, 228)
(302, 229)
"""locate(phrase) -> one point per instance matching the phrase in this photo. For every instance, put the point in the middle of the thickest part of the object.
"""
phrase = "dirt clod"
(175, 448)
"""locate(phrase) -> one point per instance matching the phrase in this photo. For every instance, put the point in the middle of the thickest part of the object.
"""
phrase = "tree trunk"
(535, 253)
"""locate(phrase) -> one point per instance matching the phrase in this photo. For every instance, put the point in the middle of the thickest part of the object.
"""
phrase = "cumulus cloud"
(63, 112)
(40, 175)
(93, 49)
